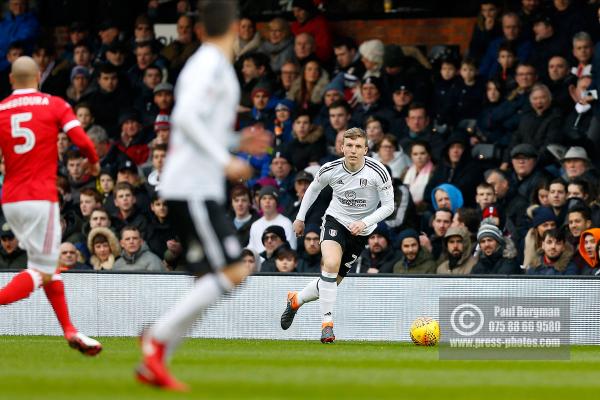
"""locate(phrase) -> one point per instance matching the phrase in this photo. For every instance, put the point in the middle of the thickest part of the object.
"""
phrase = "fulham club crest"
(363, 183)
(332, 232)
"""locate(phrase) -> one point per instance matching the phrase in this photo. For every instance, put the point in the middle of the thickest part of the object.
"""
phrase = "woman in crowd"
(417, 176)
(393, 156)
(308, 89)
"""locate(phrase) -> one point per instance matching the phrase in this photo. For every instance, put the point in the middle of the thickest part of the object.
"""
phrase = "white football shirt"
(203, 119)
(356, 195)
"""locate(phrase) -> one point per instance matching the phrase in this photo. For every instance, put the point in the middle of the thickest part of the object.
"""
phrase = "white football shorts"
(36, 224)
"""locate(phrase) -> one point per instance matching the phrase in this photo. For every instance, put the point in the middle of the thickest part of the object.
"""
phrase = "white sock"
(327, 295)
(175, 323)
(309, 293)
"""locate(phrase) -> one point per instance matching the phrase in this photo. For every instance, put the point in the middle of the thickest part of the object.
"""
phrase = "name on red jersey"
(25, 101)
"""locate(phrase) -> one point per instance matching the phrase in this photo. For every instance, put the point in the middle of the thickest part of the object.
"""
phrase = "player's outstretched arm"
(254, 140)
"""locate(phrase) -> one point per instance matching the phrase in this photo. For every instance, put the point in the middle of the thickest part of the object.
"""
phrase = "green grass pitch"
(45, 368)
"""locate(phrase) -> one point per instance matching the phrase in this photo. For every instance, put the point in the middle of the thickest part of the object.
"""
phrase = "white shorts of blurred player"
(36, 224)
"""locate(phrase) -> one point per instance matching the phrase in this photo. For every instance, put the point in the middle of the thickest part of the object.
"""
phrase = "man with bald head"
(29, 125)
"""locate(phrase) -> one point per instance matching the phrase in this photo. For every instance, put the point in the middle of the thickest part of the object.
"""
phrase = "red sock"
(55, 292)
(20, 287)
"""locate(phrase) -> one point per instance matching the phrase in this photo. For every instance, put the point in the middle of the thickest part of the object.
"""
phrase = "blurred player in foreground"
(359, 184)
(29, 125)
(193, 183)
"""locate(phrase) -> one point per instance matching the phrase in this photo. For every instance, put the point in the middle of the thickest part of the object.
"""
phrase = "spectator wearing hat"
(379, 256)
(402, 97)
(541, 126)
(406, 64)
(372, 103)
(79, 32)
(497, 255)
(279, 45)
(104, 248)
(576, 164)
(282, 125)
(11, 255)
(308, 19)
(309, 257)
(108, 100)
(18, 24)
(414, 258)
(588, 252)
(446, 196)
(547, 43)
(162, 130)
(347, 57)
(129, 173)
(179, 50)
(118, 55)
(301, 182)
(80, 88)
(282, 170)
(334, 91)
(243, 215)
(524, 177)
(268, 199)
(554, 256)
(542, 220)
(457, 168)
(372, 52)
(308, 145)
(262, 107)
(132, 141)
(272, 239)
(248, 39)
(458, 251)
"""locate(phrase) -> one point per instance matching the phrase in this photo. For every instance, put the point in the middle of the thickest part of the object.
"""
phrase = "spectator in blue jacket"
(18, 24)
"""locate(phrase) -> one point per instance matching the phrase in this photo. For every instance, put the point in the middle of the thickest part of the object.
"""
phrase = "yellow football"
(425, 331)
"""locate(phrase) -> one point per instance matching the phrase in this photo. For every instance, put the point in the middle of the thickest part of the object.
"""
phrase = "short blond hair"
(354, 133)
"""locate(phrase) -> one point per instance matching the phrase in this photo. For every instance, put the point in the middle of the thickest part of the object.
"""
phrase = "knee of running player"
(330, 263)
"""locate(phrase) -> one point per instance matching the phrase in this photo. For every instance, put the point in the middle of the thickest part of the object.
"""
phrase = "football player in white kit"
(359, 184)
(193, 183)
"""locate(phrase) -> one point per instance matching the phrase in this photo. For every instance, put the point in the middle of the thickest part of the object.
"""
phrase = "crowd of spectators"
(492, 152)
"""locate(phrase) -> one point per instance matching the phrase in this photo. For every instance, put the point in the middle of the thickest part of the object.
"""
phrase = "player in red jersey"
(29, 126)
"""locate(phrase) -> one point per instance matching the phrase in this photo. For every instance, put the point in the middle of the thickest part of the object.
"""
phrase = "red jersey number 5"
(19, 131)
